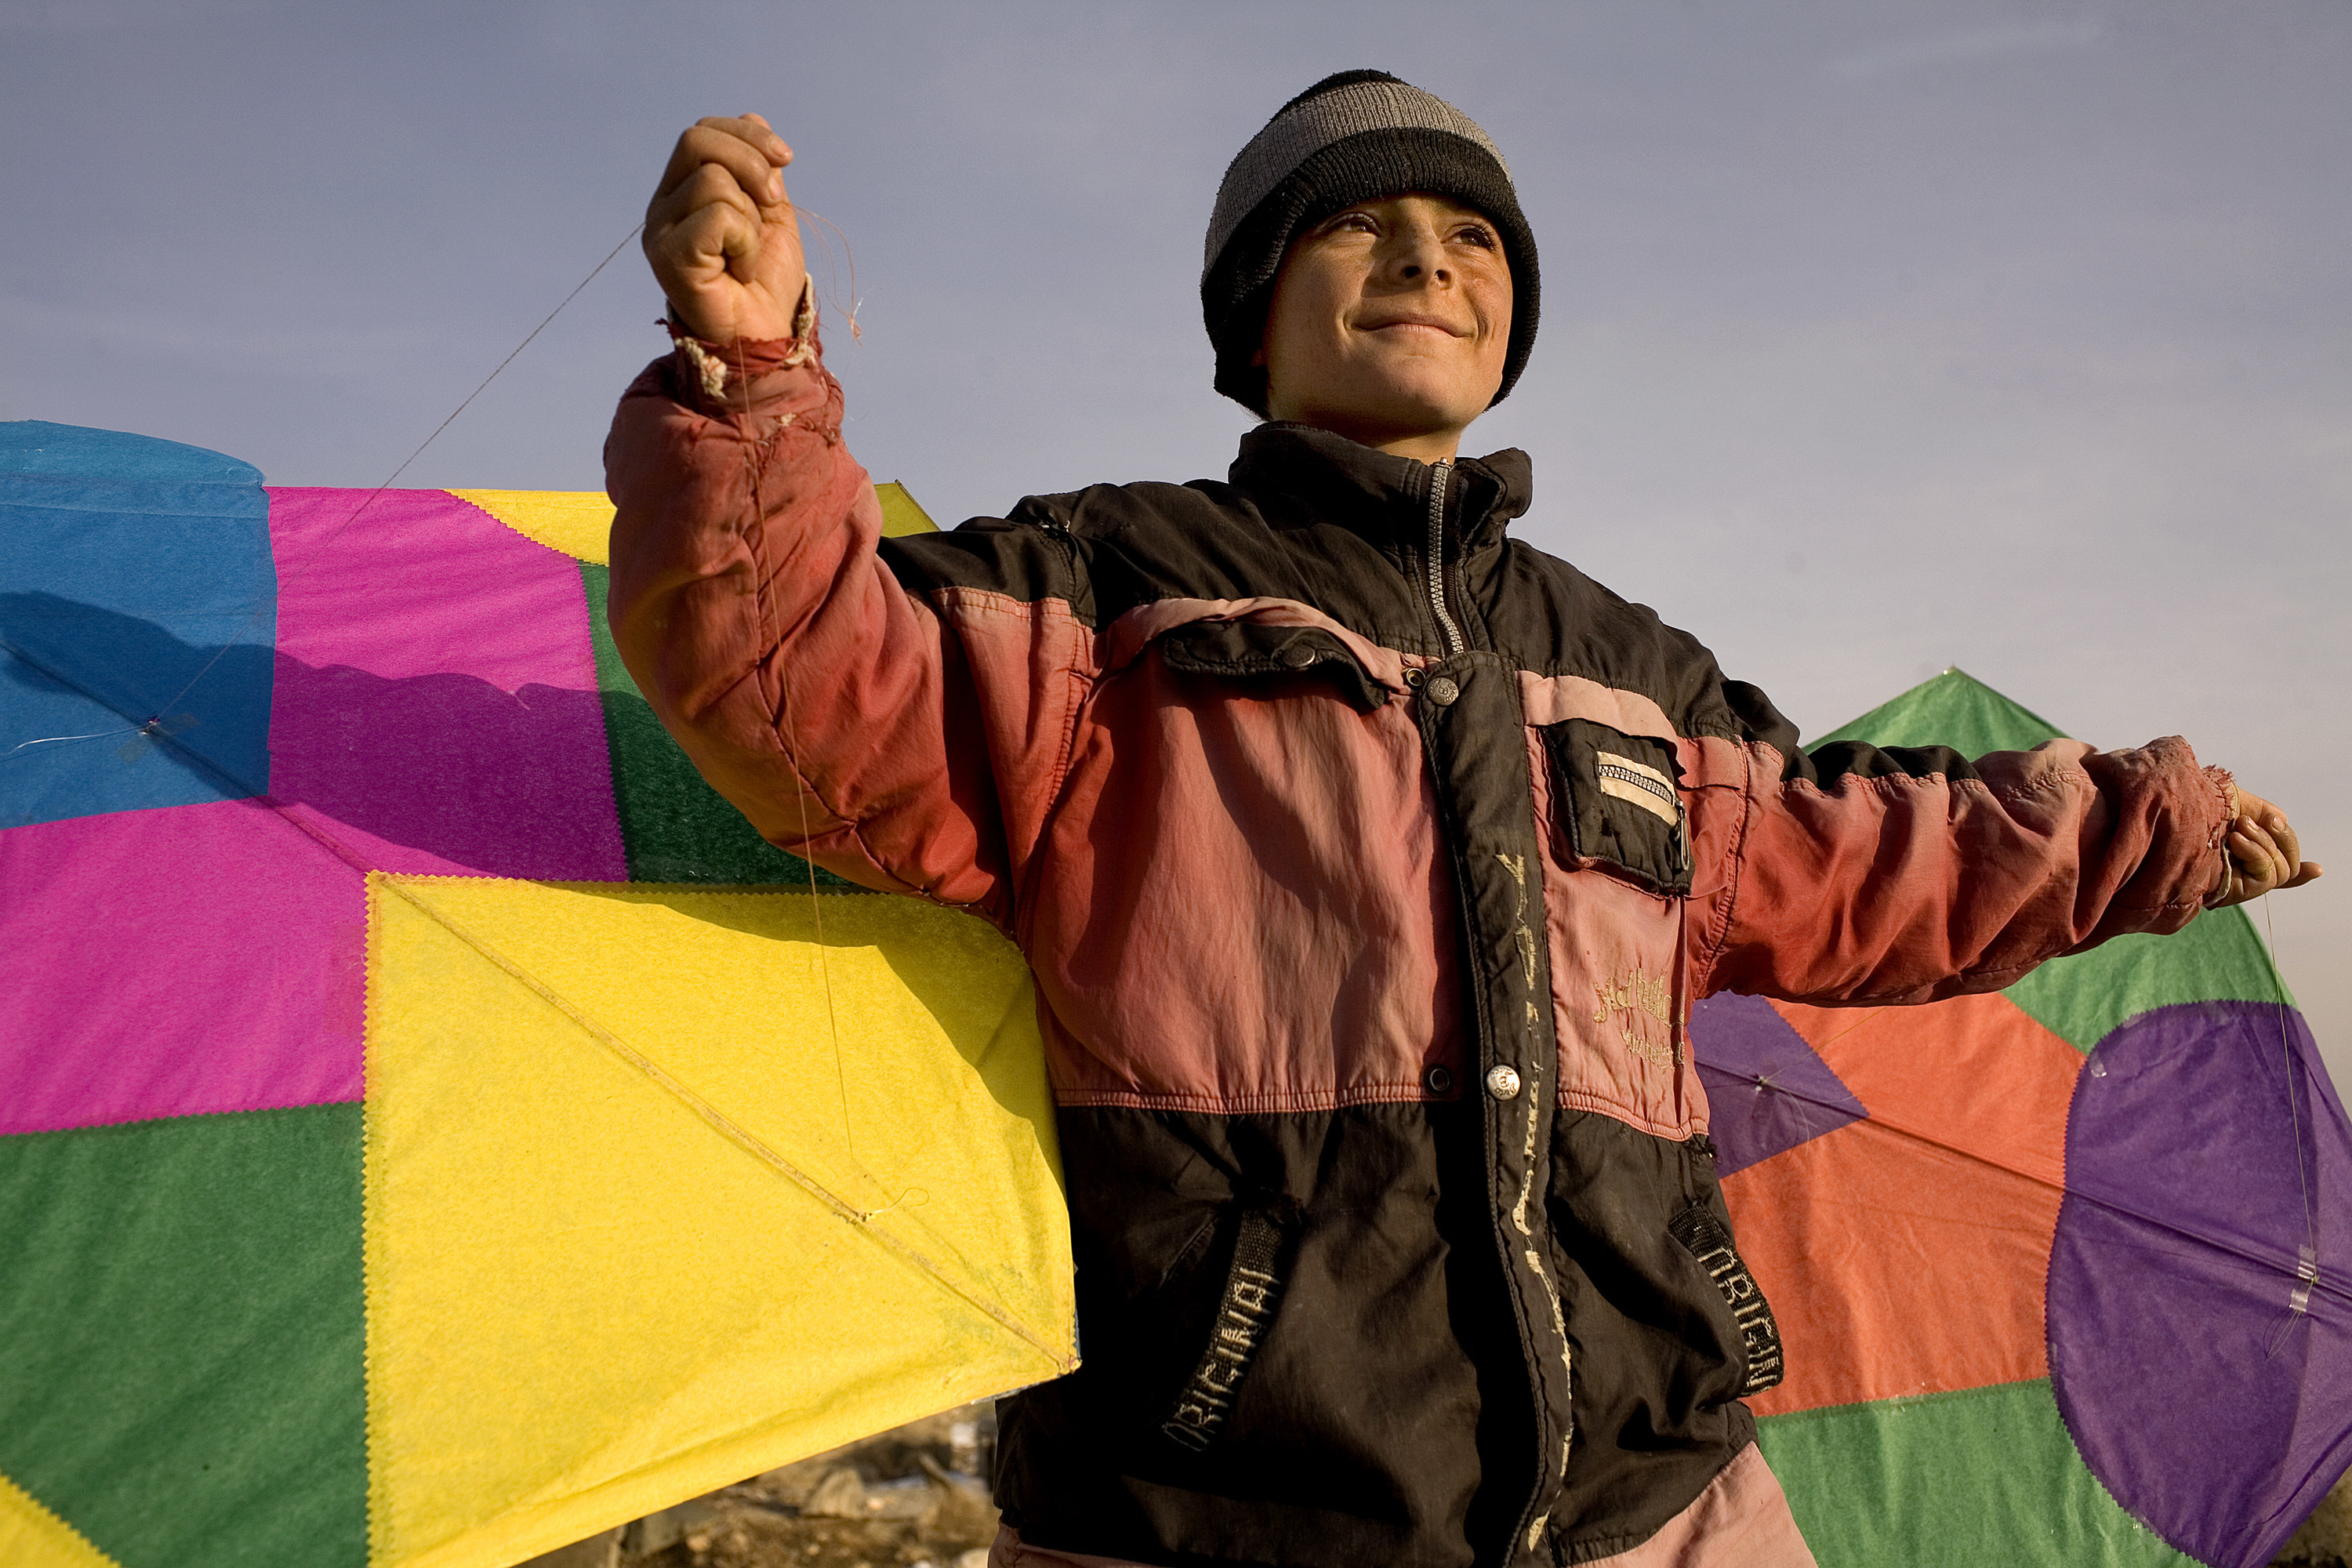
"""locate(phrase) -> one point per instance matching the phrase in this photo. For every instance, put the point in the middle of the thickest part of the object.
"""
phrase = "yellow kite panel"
(637, 1228)
(33, 1537)
(579, 523)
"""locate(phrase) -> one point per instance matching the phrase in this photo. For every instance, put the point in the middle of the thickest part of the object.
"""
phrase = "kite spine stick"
(2306, 1273)
(2235, 1249)
(719, 1119)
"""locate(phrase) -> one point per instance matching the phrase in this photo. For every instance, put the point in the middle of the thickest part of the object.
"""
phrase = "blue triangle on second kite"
(1766, 1091)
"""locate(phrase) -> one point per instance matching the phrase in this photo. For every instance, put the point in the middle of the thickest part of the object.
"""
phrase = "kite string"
(152, 725)
(311, 557)
(801, 793)
(55, 740)
(2286, 1059)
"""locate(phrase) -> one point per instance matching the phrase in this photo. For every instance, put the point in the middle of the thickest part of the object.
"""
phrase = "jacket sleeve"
(1856, 875)
(901, 734)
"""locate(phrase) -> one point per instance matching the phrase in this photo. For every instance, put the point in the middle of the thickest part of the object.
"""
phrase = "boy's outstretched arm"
(1856, 875)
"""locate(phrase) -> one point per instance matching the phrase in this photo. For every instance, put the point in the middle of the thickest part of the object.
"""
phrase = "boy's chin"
(1402, 404)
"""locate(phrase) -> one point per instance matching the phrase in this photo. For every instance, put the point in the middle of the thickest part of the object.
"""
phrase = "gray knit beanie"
(1348, 139)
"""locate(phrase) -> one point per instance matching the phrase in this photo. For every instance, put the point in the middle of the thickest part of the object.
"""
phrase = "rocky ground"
(2325, 1542)
(914, 1499)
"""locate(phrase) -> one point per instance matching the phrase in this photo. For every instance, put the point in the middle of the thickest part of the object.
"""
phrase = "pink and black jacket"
(1369, 861)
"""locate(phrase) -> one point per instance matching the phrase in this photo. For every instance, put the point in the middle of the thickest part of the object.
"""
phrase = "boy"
(1369, 862)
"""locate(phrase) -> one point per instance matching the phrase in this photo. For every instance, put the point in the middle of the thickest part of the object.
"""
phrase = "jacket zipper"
(1439, 473)
(1642, 782)
(1664, 795)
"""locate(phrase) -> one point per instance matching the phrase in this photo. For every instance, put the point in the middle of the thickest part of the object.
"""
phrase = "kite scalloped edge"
(33, 1537)
(579, 523)
(371, 1239)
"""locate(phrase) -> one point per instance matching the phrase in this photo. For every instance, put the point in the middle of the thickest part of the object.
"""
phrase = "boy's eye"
(1474, 235)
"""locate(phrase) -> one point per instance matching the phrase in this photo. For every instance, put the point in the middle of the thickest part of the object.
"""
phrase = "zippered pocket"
(1617, 800)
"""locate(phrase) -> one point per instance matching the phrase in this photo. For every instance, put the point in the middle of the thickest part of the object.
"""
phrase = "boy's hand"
(721, 234)
(2261, 855)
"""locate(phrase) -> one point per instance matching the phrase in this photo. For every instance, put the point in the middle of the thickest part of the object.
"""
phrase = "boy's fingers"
(2283, 834)
(754, 164)
(709, 185)
(698, 220)
(705, 241)
(2265, 867)
(760, 134)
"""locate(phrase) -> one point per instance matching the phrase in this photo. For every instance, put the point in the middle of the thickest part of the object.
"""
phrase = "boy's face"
(1389, 323)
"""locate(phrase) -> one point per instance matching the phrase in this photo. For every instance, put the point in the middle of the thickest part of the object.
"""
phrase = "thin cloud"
(1970, 48)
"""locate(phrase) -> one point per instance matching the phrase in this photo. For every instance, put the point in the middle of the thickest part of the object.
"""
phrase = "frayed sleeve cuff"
(720, 371)
(2225, 811)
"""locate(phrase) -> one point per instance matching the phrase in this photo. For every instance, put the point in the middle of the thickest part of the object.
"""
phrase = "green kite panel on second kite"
(1954, 710)
(1983, 1476)
(2085, 998)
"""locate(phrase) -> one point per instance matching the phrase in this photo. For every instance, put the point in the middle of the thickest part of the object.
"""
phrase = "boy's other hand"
(2261, 855)
(721, 234)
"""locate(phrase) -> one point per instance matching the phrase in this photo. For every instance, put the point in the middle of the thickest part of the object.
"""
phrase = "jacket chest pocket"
(1617, 801)
(1262, 652)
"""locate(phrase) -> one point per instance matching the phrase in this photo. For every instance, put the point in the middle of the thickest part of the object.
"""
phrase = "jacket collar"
(1383, 497)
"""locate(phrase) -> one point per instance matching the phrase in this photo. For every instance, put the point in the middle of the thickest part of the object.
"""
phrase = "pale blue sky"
(1878, 337)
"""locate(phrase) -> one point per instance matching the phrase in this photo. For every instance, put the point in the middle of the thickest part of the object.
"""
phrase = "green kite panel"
(2085, 998)
(1954, 710)
(674, 826)
(1966, 1480)
(183, 1378)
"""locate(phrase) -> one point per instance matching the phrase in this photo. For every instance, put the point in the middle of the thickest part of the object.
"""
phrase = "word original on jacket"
(1706, 1240)
(1252, 1292)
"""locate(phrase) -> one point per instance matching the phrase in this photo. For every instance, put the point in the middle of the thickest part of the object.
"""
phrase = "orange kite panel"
(1909, 1248)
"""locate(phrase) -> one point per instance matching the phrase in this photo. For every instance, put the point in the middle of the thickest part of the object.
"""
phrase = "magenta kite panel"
(435, 706)
(177, 961)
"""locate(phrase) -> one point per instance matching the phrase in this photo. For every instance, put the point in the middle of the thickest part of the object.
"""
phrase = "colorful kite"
(2058, 1271)
(433, 1127)
(423, 1138)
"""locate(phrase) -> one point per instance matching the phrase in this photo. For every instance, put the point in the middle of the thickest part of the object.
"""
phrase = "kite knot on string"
(913, 1198)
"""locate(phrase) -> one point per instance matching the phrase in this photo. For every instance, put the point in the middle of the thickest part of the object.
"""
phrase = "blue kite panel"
(136, 584)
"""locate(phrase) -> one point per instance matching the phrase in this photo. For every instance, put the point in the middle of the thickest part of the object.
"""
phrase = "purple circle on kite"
(2200, 1306)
